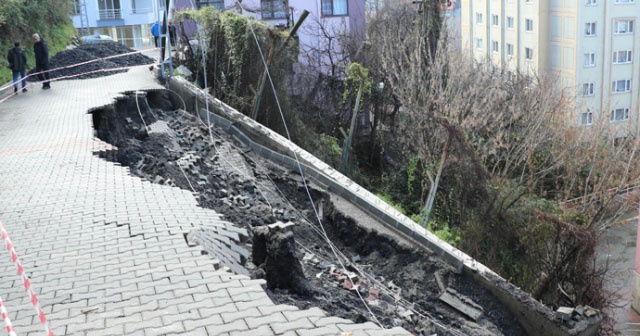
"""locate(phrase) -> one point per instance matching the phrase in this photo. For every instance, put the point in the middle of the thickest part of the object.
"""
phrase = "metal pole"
(263, 78)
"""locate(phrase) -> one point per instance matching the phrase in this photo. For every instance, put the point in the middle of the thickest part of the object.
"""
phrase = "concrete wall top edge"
(279, 145)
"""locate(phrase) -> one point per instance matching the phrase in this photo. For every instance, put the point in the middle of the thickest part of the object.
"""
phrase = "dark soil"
(65, 61)
(400, 284)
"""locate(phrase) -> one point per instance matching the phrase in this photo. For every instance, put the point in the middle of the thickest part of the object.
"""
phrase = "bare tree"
(547, 186)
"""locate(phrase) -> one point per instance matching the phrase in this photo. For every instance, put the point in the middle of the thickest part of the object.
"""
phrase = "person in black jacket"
(18, 63)
(42, 60)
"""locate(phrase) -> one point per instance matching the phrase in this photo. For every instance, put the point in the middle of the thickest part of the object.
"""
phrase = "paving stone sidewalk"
(91, 235)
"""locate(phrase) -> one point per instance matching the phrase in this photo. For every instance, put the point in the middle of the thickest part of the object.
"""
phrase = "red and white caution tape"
(7, 320)
(25, 280)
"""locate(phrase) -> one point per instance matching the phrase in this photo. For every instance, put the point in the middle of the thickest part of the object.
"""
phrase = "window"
(528, 53)
(528, 25)
(590, 29)
(109, 10)
(589, 59)
(622, 56)
(510, 22)
(495, 20)
(509, 49)
(217, 4)
(623, 85)
(479, 19)
(75, 7)
(587, 89)
(333, 7)
(586, 118)
(494, 46)
(620, 114)
(274, 9)
(479, 43)
(591, 2)
(623, 26)
(141, 7)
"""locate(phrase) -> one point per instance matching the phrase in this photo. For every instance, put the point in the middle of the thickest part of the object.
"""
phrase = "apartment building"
(589, 46)
(127, 21)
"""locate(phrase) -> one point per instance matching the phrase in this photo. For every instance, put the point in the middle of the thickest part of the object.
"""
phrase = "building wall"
(572, 40)
(129, 24)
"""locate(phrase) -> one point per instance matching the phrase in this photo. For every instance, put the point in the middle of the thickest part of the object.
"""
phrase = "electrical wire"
(319, 229)
(146, 127)
(304, 180)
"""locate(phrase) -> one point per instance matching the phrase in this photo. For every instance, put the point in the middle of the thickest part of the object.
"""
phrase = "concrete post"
(635, 291)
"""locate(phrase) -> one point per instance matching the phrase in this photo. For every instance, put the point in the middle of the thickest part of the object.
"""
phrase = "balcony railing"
(110, 14)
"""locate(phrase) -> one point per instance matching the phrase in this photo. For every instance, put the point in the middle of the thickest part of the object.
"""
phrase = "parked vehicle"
(96, 38)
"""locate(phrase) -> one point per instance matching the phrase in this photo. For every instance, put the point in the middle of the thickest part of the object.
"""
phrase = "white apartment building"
(591, 46)
(127, 21)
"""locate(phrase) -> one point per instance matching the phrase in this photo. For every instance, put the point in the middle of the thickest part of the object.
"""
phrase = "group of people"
(155, 32)
(18, 60)
(18, 63)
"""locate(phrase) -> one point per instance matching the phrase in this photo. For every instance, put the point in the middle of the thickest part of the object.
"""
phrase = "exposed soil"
(401, 285)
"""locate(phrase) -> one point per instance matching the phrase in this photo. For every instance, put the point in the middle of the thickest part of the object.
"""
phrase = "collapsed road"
(338, 265)
(314, 248)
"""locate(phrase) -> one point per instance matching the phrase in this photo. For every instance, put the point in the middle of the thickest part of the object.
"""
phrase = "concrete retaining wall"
(534, 317)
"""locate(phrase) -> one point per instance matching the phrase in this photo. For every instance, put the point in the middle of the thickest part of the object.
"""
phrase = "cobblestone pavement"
(92, 236)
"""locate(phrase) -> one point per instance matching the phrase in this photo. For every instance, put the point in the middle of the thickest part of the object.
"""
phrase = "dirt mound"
(65, 61)
(347, 270)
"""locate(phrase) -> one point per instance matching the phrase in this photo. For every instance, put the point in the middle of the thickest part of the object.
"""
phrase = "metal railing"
(110, 14)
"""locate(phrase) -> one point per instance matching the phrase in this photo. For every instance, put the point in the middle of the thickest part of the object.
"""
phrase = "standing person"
(42, 60)
(172, 34)
(155, 31)
(18, 62)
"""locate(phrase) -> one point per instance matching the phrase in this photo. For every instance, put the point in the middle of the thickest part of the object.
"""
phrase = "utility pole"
(352, 127)
(84, 18)
(165, 42)
(263, 78)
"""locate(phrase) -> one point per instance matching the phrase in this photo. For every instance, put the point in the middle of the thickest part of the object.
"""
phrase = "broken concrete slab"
(564, 313)
(462, 304)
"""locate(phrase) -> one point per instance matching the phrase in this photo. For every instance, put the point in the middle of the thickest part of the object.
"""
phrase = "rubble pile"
(573, 318)
(64, 62)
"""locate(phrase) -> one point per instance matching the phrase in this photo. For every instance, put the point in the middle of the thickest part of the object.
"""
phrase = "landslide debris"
(401, 286)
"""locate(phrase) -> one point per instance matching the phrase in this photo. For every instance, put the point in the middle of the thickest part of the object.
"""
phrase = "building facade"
(126, 21)
(589, 46)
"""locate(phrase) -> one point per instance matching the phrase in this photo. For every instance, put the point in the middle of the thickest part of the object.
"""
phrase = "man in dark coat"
(42, 60)
(18, 62)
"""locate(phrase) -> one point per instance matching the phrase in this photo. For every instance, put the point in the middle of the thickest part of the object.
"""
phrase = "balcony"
(110, 14)
(110, 17)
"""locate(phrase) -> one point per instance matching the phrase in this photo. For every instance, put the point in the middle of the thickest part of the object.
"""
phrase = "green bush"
(20, 19)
